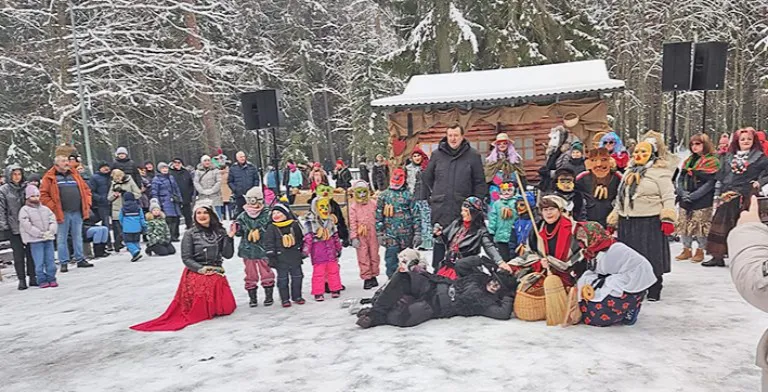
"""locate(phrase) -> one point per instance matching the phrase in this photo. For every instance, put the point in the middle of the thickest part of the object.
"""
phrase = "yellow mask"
(362, 195)
(565, 184)
(324, 208)
(642, 154)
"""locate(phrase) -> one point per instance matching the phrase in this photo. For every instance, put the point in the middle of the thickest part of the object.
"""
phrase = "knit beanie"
(31, 190)
(577, 145)
(162, 165)
(284, 209)
(121, 150)
(154, 203)
(205, 158)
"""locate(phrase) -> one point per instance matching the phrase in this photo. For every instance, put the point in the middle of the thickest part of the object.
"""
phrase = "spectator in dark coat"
(455, 172)
(126, 164)
(365, 173)
(380, 174)
(12, 198)
(342, 175)
(187, 188)
(100, 185)
(149, 167)
(168, 194)
(242, 177)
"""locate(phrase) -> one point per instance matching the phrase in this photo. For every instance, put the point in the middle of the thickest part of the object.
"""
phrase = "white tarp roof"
(504, 84)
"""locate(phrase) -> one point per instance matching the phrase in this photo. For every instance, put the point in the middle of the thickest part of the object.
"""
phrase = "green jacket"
(157, 231)
(253, 250)
(501, 229)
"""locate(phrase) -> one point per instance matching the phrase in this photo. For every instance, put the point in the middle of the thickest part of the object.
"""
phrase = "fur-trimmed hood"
(148, 216)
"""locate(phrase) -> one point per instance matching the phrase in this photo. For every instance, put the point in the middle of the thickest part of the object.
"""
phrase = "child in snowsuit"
(251, 225)
(158, 232)
(398, 223)
(502, 218)
(523, 225)
(322, 244)
(37, 227)
(362, 222)
(283, 242)
(133, 224)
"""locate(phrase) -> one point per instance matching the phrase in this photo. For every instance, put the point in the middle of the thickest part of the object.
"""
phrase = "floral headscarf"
(593, 238)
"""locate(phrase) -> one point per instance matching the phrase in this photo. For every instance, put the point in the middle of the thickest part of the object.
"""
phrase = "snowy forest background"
(163, 77)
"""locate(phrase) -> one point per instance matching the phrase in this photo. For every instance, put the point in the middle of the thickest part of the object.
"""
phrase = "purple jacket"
(322, 251)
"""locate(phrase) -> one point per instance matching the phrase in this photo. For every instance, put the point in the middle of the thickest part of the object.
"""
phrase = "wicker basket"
(530, 305)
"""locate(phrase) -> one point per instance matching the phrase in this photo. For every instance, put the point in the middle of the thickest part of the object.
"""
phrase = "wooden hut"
(524, 102)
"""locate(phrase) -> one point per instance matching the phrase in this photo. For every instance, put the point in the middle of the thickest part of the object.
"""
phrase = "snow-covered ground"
(700, 337)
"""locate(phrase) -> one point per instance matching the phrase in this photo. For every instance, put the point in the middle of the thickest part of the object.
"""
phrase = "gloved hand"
(686, 197)
(356, 243)
(667, 228)
(416, 241)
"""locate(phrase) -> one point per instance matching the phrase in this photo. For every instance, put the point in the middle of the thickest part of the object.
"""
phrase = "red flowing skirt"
(198, 298)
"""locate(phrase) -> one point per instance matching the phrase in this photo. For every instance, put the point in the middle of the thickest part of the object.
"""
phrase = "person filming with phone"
(748, 248)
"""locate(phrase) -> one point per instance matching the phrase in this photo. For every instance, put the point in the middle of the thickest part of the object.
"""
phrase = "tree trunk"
(211, 135)
(63, 102)
(441, 22)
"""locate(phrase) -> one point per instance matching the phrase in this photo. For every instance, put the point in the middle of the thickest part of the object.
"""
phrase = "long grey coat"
(748, 248)
(208, 185)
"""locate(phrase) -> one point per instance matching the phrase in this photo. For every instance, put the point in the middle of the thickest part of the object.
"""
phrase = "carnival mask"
(507, 190)
(255, 199)
(324, 191)
(565, 183)
(324, 208)
(599, 162)
(642, 153)
(398, 179)
(361, 195)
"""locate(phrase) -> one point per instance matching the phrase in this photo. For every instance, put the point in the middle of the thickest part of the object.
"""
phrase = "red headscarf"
(593, 238)
(424, 157)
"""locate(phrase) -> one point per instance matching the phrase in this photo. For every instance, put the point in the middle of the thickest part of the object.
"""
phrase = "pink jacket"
(362, 215)
(322, 251)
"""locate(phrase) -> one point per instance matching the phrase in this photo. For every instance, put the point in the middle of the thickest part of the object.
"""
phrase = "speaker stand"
(673, 128)
(276, 163)
(704, 114)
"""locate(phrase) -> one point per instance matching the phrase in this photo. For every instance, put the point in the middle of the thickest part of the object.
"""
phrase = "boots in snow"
(374, 282)
(336, 294)
(714, 262)
(253, 294)
(286, 304)
(319, 298)
(368, 284)
(135, 257)
(300, 301)
(64, 267)
(268, 291)
(32, 281)
(85, 264)
(23, 283)
(698, 257)
(684, 255)
(100, 251)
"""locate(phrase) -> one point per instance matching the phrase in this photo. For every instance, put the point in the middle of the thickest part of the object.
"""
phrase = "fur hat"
(121, 150)
(30, 191)
(154, 204)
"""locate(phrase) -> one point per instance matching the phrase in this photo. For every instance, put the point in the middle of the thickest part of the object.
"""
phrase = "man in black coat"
(342, 175)
(187, 188)
(126, 164)
(380, 174)
(242, 177)
(365, 174)
(100, 185)
(455, 172)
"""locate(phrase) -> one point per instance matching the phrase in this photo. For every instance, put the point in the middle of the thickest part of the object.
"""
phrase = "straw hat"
(571, 120)
(502, 137)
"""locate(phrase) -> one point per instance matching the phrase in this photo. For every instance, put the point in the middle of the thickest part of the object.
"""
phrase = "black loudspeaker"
(676, 69)
(709, 60)
(261, 109)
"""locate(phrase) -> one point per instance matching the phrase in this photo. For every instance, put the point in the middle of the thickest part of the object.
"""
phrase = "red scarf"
(563, 233)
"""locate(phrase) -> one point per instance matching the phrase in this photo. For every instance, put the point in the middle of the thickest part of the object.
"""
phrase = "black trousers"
(291, 196)
(504, 251)
(162, 249)
(22, 258)
(401, 302)
(186, 211)
(296, 275)
(173, 226)
(117, 230)
(438, 254)
(239, 203)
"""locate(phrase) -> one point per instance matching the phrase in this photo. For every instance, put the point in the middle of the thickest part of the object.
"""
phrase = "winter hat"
(284, 209)
(340, 162)
(474, 204)
(154, 204)
(31, 190)
(577, 145)
(554, 199)
(359, 184)
(103, 164)
(121, 150)
(205, 158)
(178, 160)
(203, 203)
(254, 194)
(161, 165)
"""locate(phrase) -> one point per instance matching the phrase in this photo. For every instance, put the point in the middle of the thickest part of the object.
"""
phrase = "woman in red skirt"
(203, 292)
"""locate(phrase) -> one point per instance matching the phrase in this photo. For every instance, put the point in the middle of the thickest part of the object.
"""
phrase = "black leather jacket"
(200, 248)
(471, 244)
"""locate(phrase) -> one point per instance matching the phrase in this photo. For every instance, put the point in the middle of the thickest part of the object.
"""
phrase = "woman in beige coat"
(748, 246)
(644, 212)
(121, 184)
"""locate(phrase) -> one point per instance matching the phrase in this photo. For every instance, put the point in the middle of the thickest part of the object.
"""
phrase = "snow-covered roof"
(505, 84)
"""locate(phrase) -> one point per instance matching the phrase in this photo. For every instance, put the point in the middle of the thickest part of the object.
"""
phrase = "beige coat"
(748, 248)
(226, 192)
(117, 199)
(655, 196)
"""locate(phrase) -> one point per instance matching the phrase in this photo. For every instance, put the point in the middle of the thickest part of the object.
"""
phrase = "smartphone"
(762, 208)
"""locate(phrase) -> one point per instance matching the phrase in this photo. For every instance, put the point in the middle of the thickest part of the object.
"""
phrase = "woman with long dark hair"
(204, 291)
(695, 195)
(740, 176)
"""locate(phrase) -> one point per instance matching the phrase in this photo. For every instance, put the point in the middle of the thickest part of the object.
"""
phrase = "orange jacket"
(49, 194)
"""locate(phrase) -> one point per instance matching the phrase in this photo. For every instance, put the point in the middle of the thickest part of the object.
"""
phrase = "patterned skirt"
(722, 223)
(426, 224)
(694, 223)
(612, 310)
